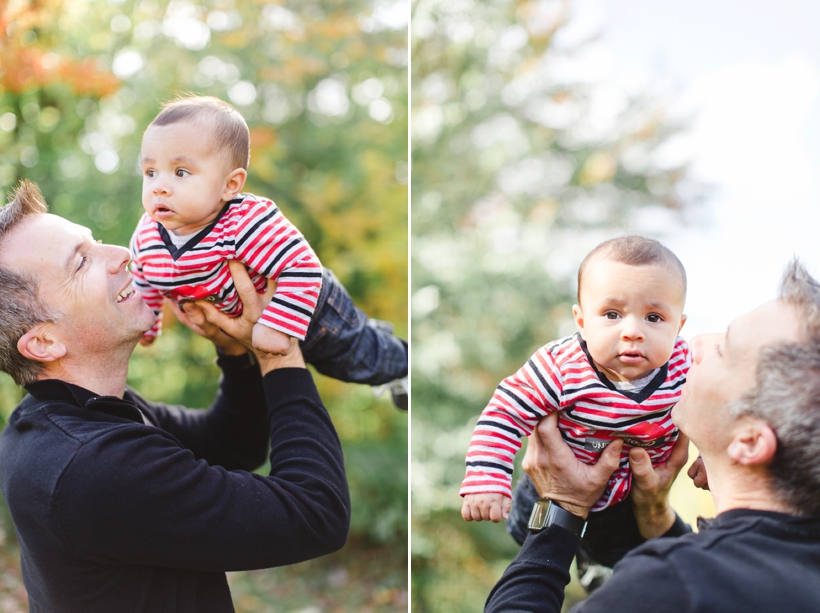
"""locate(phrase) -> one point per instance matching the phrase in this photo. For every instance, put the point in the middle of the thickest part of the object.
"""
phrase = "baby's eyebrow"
(184, 159)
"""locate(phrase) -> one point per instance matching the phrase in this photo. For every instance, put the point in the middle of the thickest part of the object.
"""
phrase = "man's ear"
(682, 321)
(234, 183)
(40, 344)
(754, 443)
(578, 314)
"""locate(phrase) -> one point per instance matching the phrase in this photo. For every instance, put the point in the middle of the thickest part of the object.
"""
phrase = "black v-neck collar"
(177, 252)
(638, 396)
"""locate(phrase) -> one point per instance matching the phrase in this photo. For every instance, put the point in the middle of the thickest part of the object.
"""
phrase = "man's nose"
(116, 257)
(701, 345)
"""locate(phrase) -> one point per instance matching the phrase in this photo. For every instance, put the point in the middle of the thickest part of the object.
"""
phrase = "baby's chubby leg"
(483, 507)
(270, 340)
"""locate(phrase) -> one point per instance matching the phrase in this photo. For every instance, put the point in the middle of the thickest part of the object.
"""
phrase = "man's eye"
(83, 262)
(653, 318)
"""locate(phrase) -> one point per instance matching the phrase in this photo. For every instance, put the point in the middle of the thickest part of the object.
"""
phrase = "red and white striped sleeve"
(271, 245)
(153, 297)
(514, 410)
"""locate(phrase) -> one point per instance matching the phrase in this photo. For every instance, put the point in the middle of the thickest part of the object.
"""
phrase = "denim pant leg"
(341, 344)
(524, 497)
(610, 534)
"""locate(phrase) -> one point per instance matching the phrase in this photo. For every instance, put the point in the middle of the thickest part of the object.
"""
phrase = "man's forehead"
(771, 323)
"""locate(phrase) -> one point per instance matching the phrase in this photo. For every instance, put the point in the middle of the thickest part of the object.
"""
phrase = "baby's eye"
(654, 318)
(150, 173)
(611, 315)
(180, 172)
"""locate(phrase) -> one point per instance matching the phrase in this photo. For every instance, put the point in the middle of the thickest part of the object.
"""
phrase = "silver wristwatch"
(545, 513)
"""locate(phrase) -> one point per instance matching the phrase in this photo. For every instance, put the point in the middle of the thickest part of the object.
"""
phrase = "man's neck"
(104, 379)
(742, 487)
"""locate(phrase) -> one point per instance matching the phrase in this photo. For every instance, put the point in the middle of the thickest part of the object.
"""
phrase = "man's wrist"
(547, 513)
(577, 510)
(655, 520)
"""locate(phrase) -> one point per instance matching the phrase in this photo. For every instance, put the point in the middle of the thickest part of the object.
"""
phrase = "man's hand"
(650, 487)
(483, 507)
(697, 473)
(239, 330)
(269, 340)
(560, 476)
(193, 317)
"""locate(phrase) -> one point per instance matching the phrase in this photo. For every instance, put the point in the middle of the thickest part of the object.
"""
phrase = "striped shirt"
(249, 229)
(560, 377)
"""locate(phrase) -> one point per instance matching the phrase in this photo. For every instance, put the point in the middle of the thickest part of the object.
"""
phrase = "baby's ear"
(578, 314)
(234, 183)
(682, 321)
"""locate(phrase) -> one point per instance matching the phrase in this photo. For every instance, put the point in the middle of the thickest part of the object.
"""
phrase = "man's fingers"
(246, 290)
(680, 453)
(241, 279)
(548, 431)
(640, 464)
(193, 313)
(610, 458)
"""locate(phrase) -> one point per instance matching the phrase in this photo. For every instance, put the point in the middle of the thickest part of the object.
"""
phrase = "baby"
(194, 160)
(618, 377)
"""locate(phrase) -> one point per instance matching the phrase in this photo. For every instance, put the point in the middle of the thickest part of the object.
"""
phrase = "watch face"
(538, 517)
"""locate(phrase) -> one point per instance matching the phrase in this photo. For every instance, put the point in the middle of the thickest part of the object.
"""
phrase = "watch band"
(545, 513)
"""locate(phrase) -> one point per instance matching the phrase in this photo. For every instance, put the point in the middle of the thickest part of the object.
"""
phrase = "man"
(121, 504)
(751, 407)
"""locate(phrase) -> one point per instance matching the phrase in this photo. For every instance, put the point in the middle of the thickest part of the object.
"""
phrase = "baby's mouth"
(631, 357)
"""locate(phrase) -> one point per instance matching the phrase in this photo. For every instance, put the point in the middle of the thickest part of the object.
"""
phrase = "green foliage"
(520, 167)
(323, 87)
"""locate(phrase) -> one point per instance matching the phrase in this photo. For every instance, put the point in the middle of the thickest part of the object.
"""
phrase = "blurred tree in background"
(521, 164)
(323, 87)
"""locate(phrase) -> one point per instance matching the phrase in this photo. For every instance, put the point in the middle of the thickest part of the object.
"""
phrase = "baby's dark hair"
(230, 132)
(634, 251)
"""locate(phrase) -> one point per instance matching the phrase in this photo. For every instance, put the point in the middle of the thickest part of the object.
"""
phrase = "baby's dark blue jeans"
(341, 344)
(611, 533)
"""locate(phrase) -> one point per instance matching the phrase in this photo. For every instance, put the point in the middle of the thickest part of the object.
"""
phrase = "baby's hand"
(483, 507)
(270, 340)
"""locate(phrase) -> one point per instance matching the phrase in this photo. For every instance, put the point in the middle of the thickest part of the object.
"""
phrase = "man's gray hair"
(20, 305)
(787, 397)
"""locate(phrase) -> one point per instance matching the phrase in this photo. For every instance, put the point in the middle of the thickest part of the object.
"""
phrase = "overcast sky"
(748, 72)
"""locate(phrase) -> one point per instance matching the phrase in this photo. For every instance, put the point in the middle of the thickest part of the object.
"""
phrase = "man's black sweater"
(742, 561)
(123, 505)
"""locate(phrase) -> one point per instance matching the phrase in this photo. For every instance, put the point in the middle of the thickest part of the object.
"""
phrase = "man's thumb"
(639, 462)
(611, 456)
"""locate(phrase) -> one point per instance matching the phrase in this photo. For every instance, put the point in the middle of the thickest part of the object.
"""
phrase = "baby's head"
(631, 293)
(194, 159)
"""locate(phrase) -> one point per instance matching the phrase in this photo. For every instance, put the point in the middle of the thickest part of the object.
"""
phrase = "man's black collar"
(62, 391)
